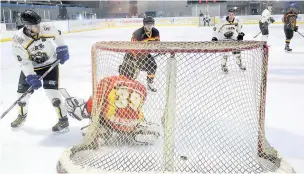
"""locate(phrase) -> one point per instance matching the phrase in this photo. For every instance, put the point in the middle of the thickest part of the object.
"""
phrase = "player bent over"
(145, 61)
(36, 47)
(229, 29)
(290, 22)
(120, 100)
(264, 22)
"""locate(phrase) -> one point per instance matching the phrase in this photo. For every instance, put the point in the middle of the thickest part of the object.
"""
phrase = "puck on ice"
(184, 157)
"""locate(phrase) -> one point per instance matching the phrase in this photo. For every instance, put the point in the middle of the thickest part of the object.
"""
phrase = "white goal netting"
(209, 121)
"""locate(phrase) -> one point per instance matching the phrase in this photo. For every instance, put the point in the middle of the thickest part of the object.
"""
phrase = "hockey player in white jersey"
(207, 19)
(264, 22)
(36, 47)
(229, 29)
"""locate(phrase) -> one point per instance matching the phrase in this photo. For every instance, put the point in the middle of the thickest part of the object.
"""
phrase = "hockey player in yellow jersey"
(290, 25)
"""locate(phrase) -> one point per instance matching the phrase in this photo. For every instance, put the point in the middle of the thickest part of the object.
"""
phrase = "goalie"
(119, 101)
(229, 29)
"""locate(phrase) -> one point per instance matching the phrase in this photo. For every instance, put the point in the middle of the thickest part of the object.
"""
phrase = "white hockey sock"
(23, 104)
(56, 100)
(238, 59)
(224, 60)
(264, 38)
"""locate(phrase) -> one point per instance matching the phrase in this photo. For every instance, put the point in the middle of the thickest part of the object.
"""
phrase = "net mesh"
(205, 120)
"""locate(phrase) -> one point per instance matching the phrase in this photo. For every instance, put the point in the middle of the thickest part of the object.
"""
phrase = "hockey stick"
(300, 34)
(29, 90)
(257, 35)
(64, 93)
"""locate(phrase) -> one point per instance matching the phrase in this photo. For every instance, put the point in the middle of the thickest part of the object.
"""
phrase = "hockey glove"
(62, 53)
(240, 36)
(214, 39)
(296, 29)
(76, 108)
(33, 81)
(271, 20)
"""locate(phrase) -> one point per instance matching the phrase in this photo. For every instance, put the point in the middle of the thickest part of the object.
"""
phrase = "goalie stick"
(30, 89)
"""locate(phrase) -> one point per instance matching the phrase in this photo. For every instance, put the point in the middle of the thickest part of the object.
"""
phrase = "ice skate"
(224, 69)
(18, 122)
(242, 67)
(287, 49)
(151, 87)
(62, 126)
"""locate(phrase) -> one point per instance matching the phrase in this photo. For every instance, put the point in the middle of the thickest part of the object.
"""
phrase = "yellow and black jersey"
(141, 35)
(290, 19)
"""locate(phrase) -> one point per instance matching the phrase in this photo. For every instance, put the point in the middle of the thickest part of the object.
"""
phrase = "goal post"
(210, 121)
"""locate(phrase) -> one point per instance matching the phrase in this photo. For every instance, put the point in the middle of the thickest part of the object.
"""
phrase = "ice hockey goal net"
(210, 121)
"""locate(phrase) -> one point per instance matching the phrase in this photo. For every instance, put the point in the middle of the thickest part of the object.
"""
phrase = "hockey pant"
(264, 29)
(50, 84)
(238, 59)
(288, 34)
(144, 62)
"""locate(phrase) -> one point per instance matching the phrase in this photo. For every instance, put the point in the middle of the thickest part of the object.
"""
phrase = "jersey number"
(126, 98)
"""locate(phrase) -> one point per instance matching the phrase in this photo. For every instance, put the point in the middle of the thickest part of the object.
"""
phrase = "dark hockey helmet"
(148, 20)
(29, 17)
(231, 10)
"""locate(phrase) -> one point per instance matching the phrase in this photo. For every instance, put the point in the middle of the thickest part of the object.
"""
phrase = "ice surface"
(34, 149)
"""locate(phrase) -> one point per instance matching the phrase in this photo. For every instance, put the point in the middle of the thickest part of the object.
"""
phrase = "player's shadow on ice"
(68, 139)
(287, 143)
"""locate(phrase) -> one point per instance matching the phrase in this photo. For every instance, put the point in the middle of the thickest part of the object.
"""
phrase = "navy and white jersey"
(227, 30)
(39, 52)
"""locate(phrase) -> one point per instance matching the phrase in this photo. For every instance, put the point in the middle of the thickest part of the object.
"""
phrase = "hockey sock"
(55, 98)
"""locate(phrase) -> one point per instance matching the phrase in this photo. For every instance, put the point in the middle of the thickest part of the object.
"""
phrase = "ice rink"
(35, 150)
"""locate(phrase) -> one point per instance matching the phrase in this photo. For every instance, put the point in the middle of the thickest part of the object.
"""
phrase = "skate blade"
(63, 131)
(287, 51)
(18, 128)
(224, 72)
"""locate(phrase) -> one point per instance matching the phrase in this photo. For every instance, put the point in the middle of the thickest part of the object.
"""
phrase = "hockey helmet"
(293, 5)
(231, 10)
(148, 20)
(29, 17)
(269, 6)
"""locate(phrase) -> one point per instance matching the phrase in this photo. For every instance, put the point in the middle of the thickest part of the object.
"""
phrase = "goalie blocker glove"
(77, 108)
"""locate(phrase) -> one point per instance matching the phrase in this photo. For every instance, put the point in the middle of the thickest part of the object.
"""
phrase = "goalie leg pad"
(147, 133)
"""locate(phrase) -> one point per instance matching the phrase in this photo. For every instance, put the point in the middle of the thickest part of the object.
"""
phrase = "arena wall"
(72, 26)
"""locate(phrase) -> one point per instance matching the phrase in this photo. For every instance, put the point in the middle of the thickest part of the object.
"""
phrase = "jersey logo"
(38, 47)
(39, 57)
